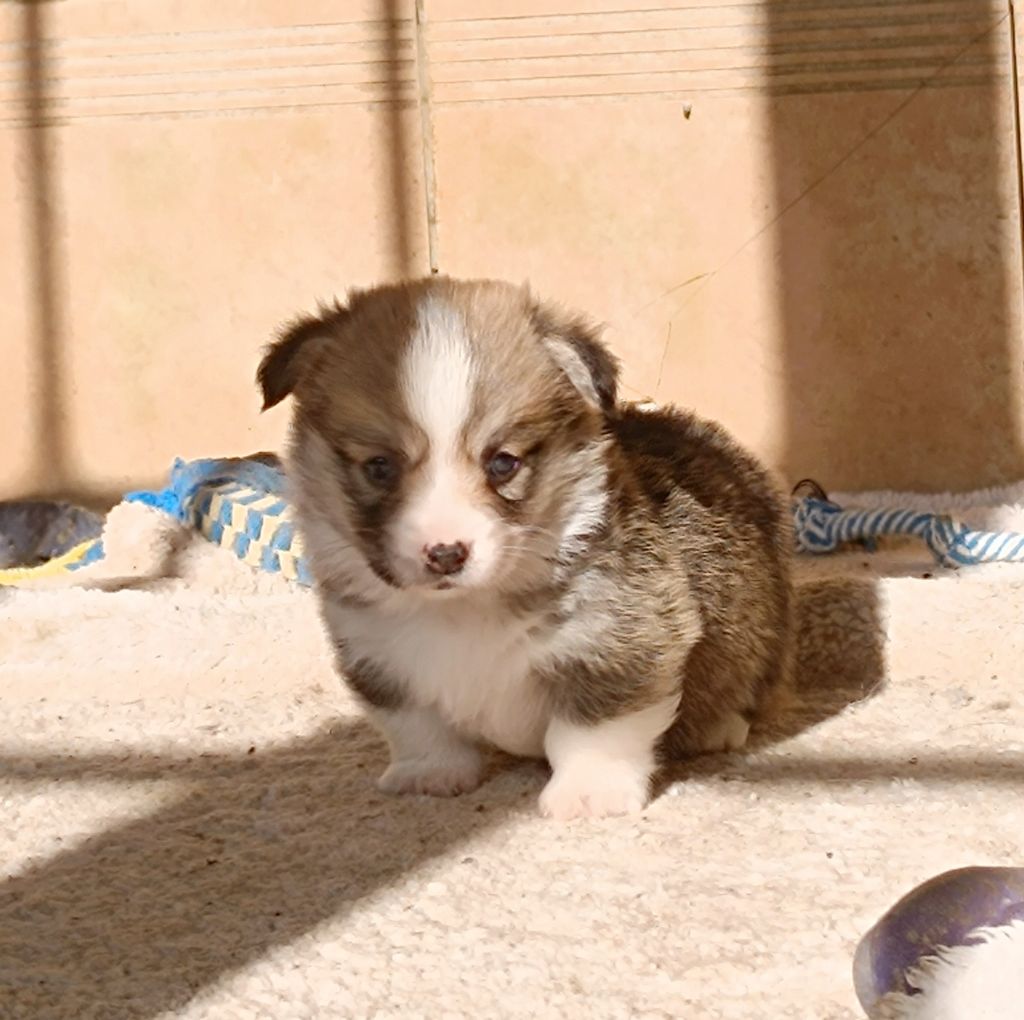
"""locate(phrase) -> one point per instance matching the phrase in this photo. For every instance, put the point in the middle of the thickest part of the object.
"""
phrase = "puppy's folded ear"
(575, 345)
(295, 351)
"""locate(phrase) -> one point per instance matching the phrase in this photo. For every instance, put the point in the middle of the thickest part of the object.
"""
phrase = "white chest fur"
(470, 662)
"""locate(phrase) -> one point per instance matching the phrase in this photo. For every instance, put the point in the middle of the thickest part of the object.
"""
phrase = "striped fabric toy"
(237, 503)
(241, 504)
(255, 525)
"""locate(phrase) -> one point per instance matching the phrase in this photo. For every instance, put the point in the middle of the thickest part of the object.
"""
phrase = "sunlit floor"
(190, 826)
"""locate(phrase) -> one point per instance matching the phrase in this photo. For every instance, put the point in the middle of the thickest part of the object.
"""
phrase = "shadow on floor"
(251, 851)
(254, 851)
(840, 656)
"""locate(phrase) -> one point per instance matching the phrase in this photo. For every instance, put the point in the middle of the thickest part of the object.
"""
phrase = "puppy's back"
(729, 525)
(670, 448)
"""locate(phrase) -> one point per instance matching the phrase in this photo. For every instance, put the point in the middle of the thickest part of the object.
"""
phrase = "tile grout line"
(427, 134)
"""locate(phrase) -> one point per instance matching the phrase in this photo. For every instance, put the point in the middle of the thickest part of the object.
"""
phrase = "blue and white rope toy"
(241, 504)
(821, 526)
(237, 503)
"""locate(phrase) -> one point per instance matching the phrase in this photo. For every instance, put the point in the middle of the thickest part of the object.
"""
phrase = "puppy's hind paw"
(728, 734)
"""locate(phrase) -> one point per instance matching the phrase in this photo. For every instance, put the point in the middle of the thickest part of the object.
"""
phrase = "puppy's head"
(448, 435)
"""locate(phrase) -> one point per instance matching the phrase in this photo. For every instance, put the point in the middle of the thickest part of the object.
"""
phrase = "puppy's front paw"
(437, 779)
(608, 788)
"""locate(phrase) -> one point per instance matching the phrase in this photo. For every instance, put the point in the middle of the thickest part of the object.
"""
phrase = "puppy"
(507, 555)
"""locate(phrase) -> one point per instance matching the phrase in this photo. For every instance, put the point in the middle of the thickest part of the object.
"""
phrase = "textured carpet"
(190, 827)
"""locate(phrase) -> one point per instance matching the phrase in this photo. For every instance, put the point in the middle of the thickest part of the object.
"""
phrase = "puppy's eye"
(382, 471)
(502, 467)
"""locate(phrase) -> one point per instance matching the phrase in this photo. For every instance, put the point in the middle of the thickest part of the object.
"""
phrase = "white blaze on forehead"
(438, 376)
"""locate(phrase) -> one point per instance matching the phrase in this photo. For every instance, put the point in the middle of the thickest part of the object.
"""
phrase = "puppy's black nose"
(447, 559)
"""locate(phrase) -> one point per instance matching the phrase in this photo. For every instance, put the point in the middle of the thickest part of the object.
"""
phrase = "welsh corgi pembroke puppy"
(505, 554)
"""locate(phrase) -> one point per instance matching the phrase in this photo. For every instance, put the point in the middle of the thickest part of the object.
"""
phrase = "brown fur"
(687, 576)
(723, 523)
(342, 368)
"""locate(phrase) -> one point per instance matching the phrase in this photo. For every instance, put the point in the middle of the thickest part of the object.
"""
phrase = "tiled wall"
(799, 216)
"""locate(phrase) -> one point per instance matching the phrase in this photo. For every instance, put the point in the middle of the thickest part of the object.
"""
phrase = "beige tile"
(899, 282)
(722, 184)
(599, 176)
(777, 222)
(613, 180)
(606, 209)
(200, 196)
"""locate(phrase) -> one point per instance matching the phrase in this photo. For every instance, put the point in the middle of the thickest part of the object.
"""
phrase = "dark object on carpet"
(943, 913)
(34, 531)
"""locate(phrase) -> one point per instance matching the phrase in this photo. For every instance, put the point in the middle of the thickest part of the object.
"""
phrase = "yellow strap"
(18, 575)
